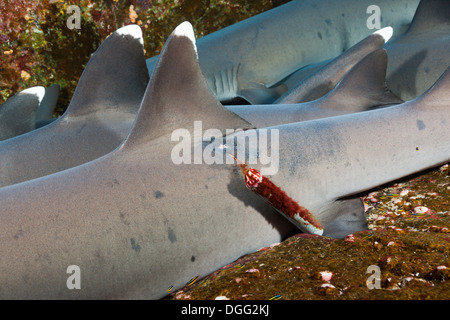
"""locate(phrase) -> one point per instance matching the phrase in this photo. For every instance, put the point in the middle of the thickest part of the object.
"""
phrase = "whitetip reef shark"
(72, 139)
(135, 223)
(18, 113)
(249, 59)
(97, 119)
(327, 77)
(361, 89)
(418, 57)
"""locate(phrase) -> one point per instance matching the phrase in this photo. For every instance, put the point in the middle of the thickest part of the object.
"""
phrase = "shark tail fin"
(430, 15)
(364, 86)
(115, 76)
(178, 94)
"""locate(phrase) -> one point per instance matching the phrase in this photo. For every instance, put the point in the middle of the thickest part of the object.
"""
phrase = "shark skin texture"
(18, 113)
(97, 120)
(362, 88)
(135, 222)
(418, 57)
(250, 58)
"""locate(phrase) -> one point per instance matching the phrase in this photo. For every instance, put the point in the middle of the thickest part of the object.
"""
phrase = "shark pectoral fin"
(262, 94)
(343, 217)
(364, 86)
(115, 77)
(178, 94)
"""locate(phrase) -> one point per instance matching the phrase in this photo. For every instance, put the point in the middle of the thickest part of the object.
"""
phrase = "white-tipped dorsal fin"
(115, 77)
(364, 86)
(37, 91)
(18, 113)
(132, 30)
(386, 33)
(430, 15)
(177, 94)
(27, 98)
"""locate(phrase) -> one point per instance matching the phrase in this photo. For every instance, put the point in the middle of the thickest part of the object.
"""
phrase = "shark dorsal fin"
(322, 81)
(364, 86)
(48, 103)
(430, 15)
(178, 94)
(115, 77)
(18, 113)
(27, 99)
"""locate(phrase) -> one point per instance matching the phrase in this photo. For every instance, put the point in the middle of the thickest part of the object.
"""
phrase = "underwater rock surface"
(403, 255)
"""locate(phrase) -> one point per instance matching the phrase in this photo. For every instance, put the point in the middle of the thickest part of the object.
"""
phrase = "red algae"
(280, 201)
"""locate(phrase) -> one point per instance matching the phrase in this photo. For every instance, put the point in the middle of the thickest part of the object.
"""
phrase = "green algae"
(409, 248)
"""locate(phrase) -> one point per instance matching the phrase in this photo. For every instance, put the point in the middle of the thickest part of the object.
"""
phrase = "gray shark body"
(361, 89)
(18, 113)
(97, 120)
(327, 77)
(250, 58)
(419, 56)
(134, 222)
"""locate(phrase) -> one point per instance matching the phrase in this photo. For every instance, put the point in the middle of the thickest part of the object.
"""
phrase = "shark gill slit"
(226, 83)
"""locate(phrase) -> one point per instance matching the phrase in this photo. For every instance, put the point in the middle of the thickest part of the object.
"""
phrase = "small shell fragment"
(421, 210)
(326, 275)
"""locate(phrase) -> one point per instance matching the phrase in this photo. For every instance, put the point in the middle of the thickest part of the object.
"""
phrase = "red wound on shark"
(280, 201)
